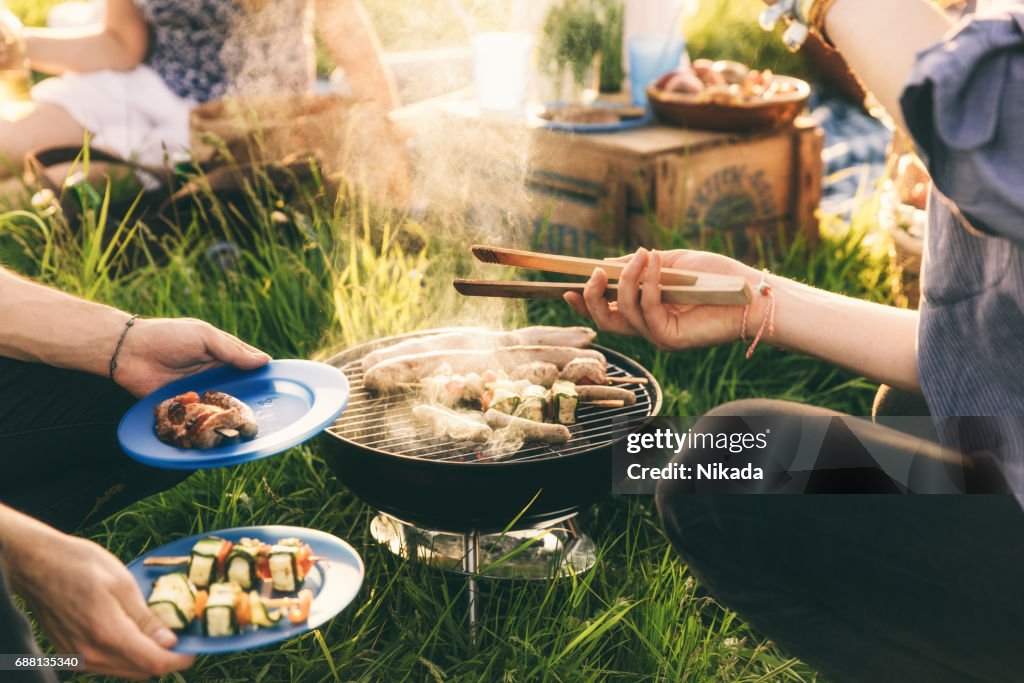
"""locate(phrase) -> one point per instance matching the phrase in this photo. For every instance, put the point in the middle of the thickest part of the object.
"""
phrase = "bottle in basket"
(15, 76)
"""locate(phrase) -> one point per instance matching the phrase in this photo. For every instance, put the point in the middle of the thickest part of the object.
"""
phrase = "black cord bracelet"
(120, 342)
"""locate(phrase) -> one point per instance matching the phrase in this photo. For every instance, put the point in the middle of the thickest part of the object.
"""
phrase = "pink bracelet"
(768, 324)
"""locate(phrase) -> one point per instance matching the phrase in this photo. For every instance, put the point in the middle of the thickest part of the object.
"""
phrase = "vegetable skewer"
(178, 560)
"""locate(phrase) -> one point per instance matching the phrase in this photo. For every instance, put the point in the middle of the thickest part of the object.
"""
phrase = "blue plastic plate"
(334, 580)
(294, 400)
(628, 124)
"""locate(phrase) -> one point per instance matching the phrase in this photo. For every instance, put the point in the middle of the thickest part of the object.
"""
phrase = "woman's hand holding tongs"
(670, 327)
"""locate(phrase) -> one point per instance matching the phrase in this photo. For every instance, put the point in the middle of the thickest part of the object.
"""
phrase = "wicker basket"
(905, 224)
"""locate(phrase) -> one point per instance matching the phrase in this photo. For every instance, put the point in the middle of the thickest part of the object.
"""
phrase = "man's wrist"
(18, 534)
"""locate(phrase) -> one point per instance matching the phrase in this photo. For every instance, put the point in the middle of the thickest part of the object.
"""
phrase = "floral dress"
(205, 49)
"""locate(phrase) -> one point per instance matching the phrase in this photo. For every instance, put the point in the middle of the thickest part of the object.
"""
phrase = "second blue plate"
(334, 581)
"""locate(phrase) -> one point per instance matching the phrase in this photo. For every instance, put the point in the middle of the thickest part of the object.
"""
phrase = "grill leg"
(470, 560)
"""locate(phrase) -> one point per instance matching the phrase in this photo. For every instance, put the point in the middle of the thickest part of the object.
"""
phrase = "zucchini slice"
(240, 566)
(285, 574)
(219, 617)
(504, 400)
(261, 616)
(533, 404)
(173, 601)
(564, 402)
(202, 563)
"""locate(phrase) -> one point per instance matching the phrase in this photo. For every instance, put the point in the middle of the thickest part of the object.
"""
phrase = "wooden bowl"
(688, 111)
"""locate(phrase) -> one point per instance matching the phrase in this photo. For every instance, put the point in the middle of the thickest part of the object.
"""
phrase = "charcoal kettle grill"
(431, 491)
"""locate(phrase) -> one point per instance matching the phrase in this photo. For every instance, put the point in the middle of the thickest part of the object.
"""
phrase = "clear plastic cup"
(501, 63)
(651, 56)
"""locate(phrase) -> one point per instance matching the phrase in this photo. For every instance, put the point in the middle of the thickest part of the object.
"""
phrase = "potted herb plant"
(570, 47)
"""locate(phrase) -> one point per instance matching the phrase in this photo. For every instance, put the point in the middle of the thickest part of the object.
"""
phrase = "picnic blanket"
(855, 150)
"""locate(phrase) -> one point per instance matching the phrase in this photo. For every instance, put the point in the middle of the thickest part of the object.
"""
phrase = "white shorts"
(132, 113)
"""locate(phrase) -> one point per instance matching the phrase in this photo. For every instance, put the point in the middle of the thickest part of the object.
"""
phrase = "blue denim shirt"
(964, 106)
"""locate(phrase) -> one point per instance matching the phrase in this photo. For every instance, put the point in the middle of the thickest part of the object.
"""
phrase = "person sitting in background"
(69, 370)
(880, 588)
(131, 81)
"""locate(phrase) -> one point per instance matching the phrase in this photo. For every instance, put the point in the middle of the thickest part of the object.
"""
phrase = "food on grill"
(483, 339)
(391, 375)
(186, 421)
(516, 397)
(206, 561)
(503, 396)
(538, 372)
(458, 426)
(589, 393)
(173, 601)
(584, 371)
(247, 563)
(530, 431)
(289, 561)
(533, 403)
(564, 402)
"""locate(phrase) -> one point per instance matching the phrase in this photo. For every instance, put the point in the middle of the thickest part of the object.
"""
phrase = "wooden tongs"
(677, 286)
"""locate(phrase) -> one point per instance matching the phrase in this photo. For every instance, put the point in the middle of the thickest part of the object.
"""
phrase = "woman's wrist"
(757, 319)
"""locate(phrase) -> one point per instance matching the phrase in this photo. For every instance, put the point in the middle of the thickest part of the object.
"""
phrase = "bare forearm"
(350, 39)
(877, 341)
(880, 39)
(17, 530)
(57, 50)
(120, 43)
(43, 325)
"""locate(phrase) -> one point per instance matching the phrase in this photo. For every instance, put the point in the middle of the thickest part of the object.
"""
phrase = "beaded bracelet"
(120, 342)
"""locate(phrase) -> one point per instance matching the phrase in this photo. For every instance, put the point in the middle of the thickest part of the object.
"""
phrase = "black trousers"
(60, 461)
(874, 588)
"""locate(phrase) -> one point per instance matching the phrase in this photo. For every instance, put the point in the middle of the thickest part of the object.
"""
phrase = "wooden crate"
(584, 191)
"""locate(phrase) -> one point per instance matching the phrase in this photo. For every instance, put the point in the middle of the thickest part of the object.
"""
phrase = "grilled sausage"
(544, 374)
(201, 425)
(247, 424)
(584, 371)
(531, 431)
(454, 425)
(483, 339)
(600, 393)
(389, 375)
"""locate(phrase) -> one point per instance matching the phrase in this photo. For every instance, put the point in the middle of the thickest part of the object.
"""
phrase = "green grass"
(322, 274)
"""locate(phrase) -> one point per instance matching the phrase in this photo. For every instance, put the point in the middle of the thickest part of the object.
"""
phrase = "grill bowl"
(443, 486)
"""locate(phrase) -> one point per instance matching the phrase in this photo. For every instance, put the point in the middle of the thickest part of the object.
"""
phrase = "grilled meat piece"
(187, 422)
(246, 417)
(388, 376)
(483, 339)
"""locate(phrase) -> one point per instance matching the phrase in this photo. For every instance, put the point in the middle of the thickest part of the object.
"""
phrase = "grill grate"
(386, 424)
